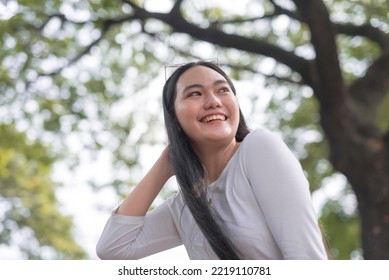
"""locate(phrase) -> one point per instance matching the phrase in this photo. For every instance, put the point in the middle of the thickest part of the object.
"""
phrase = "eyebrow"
(215, 83)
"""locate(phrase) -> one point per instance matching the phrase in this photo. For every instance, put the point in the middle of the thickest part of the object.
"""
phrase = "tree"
(329, 56)
(29, 203)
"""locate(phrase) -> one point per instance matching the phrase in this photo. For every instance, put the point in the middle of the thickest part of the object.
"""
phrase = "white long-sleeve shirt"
(262, 197)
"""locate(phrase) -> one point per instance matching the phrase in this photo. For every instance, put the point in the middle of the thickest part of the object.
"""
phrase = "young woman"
(243, 195)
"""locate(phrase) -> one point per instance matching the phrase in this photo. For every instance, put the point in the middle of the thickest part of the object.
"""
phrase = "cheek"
(234, 108)
(179, 110)
(183, 114)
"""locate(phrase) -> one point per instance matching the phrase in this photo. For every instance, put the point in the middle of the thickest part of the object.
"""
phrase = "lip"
(214, 114)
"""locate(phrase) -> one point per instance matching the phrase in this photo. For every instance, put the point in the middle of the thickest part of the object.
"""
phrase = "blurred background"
(81, 118)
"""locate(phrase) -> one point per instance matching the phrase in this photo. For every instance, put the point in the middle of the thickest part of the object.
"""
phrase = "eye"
(224, 90)
(194, 93)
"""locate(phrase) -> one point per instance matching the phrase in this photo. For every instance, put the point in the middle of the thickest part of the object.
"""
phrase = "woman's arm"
(283, 193)
(140, 199)
(130, 233)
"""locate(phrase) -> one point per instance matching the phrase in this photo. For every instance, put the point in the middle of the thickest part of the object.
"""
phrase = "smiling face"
(205, 106)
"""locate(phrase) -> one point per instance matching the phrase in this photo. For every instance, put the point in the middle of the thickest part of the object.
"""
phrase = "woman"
(243, 195)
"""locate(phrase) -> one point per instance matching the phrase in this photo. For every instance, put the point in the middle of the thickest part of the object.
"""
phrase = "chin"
(219, 135)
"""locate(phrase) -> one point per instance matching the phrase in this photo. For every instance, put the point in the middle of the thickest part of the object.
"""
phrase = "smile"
(213, 118)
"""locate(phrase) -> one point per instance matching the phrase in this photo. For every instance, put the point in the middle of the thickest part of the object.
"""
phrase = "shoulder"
(264, 148)
(264, 141)
(261, 134)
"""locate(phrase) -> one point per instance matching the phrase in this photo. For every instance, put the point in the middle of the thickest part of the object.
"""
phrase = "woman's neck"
(215, 158)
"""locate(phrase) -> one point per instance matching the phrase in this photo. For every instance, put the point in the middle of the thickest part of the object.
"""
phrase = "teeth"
(214, 117)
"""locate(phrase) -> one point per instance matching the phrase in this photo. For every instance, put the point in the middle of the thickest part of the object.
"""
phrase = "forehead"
(199, 75)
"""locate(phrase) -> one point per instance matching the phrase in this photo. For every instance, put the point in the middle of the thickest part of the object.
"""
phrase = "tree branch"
(278, 10)
(217, 37)
(329, 88)
(176, 10)
(330, 81)
(240, 20)
(230, 65)
(366, 30)
(106, 26)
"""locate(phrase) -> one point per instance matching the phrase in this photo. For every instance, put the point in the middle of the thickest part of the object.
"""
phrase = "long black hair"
(188, 168)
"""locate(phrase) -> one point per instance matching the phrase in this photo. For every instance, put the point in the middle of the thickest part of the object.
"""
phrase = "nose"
(212, 101)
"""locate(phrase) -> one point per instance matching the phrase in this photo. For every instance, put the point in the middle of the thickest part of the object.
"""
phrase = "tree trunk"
(374, 215)
(371, 186)
(358, 148)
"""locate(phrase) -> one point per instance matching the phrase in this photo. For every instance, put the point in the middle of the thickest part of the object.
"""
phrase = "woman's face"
(206, 107)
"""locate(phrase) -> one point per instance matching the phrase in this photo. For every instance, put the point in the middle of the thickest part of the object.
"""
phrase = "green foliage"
(28, 195)
(342, 227)
(74, 68)
(357, 52)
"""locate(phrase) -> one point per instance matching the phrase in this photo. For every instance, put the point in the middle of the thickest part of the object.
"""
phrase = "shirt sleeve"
(135, 237)
(282, 192)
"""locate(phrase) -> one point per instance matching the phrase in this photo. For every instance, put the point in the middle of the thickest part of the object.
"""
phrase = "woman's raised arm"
(139, 200)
